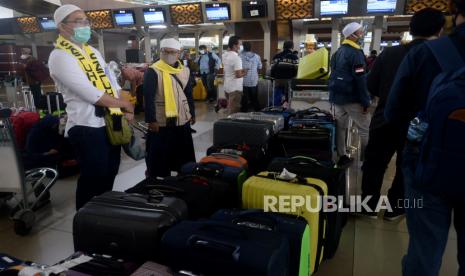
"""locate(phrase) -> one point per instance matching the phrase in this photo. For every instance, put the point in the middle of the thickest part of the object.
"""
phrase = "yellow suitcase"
(199, 92)
(267, 184)
(314, 66)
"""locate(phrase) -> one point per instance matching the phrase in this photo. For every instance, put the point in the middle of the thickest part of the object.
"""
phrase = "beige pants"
(234, 102)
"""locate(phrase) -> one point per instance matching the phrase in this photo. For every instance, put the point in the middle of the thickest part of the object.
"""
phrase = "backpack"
(211, 63)
(441, 167)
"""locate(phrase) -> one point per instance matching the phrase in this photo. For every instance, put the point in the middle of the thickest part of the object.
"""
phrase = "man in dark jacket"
(389, 138)
(348, 90)
(429, 224)
(283, 68)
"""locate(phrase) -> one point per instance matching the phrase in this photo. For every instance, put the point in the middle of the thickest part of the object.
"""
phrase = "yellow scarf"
(171, 109)
(91, 67)
(351, 43)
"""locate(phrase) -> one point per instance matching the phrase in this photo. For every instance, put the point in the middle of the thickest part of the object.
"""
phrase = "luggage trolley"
(28, 188)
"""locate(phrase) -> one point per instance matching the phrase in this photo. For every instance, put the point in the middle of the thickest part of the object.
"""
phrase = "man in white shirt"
(233, 75)
(78, 70)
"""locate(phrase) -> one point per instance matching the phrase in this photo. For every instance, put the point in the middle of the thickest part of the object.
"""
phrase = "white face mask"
(241, 48)
(185, 62)
(202, 52)
(170, 59)
(24, 56)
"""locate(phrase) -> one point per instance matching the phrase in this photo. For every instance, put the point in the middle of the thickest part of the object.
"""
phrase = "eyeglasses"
(81, 22)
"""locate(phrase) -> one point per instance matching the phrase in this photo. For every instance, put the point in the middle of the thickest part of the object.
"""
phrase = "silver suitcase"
(277, 120)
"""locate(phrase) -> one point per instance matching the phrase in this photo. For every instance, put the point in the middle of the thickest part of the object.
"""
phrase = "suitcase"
(234, 176)
(199, 92)
(315, 142)
(203, 195)
(82, 264)
(335, 180)
(283, 70)
(278, 110)
(153, 269)
(257, 157)
(267, 184)
(295, 229)
(314, 66)
(226, 159)
(22, 122)
(277, 120)
(219, 248)
(252, 132)
(101, 226)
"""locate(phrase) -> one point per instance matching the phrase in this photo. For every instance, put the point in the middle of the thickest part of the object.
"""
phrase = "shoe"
(193, 130)
(396, 214)
(344, 162)
(366, 214)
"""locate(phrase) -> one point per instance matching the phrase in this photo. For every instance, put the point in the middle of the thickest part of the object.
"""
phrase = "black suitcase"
(125, 225)
(257, 157)
(315, 142)
(250, 132)
(213, 248)
(203, 195)
(334, 178)
(296, 230)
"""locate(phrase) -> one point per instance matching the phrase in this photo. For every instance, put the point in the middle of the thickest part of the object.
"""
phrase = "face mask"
(202, 52)
(170, 59)
(24, 56)
(82, 34)
(185, 62)
(241, 48)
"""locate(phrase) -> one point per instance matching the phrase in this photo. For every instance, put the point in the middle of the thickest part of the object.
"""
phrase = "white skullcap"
(170, 43)
(63, 11)
(351, 28)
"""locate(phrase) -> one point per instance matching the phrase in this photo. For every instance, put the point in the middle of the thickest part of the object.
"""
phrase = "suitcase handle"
(227, 249)
(164, 189)
(258, 217)
(203, 169)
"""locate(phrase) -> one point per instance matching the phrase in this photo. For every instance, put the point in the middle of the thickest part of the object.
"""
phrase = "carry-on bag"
(294, 228)
(203, 195)
(267, 188)
(126, 225)
(257, 156)
(219, 248)
(199, 92)
(251, 132)
(314, 66)
(279, 110)
(277, 120)
(335, 180)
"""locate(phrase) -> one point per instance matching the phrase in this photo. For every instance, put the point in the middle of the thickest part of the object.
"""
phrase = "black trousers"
(168, 150)
(250, 94)
(208, 81)
(98, 160)
(36, 90)
(382, 144)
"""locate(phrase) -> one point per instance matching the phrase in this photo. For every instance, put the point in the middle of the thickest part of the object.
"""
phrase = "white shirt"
(78, 92)
(232, 63)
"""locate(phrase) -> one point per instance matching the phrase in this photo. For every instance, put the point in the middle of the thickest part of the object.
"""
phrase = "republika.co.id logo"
(328, 204)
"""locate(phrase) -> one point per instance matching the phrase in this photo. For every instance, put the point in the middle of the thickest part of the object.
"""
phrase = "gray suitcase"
(277, 120)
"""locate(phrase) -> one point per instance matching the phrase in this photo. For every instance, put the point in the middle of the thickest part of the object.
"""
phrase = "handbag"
(118, 130)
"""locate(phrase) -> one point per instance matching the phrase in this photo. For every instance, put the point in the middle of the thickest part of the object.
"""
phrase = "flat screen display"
(217, 12)
(253, 9)
(154, 16)
(378, 6)
(47, 23)
(334, 7)
(124, 17)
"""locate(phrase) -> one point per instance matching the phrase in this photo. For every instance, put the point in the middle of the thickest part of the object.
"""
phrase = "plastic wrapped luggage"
(199, 92)
(314, 65)
(203, 195)
(277, 120)
(335, 180)
(268, 184)
(251, 132)
(22, 122)
(293, 227)
(218, 248)
(101, 226)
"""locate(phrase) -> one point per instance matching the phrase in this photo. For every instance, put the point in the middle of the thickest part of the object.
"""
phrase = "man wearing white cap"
(348, 89)
(91, 93)
(169, 112)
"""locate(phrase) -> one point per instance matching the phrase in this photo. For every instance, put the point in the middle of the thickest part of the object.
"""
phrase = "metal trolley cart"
(316, 93)
(27, 188)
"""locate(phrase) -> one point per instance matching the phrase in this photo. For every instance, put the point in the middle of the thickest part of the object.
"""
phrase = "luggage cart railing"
(28, 188)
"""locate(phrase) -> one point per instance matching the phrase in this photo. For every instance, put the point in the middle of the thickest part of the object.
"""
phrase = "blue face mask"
(82, 34)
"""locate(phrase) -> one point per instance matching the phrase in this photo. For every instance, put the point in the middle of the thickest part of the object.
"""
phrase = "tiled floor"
(367, 248)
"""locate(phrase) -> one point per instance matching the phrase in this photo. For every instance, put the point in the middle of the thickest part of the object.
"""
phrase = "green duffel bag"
(118, 130)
